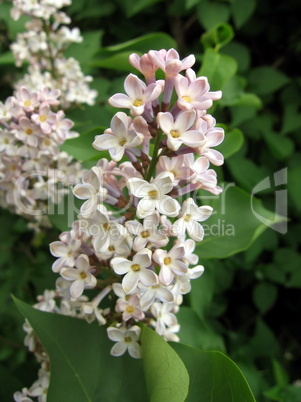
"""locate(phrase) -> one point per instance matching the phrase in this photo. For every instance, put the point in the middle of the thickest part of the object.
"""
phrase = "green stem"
(155, 156)
(51, 59)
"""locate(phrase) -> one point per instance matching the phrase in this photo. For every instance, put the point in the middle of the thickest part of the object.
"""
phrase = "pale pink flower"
(45, 118)
(154, 196)
(190, 215)
(213, 137)
(170, 263)
(169, 61)
(81, 277)
(66, 252)
(130, 308)
(135, 271)
(177, 130)
(119, 137)
(191, 76)
(138, 95)
(192, 95)
(175, 167)
(27, 100)
(127, 339)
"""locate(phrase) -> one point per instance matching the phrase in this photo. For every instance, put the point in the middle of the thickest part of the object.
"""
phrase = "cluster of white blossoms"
(43, 46)
(32, 167)
(132, 247)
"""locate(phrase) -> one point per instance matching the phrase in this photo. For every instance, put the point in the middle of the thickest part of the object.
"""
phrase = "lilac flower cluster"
(32, 167)
(133, 237)
(43, 44)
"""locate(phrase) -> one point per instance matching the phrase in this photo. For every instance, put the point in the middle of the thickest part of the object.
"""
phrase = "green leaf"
(264, 296)
(191, 3)
(212, 13)
(218, 36)
(213, 376)
(133, 7)
(81, 365)
(294, 188)
(281, 147)
(232, 143)
(241, 53)
(237, 221)
(63, 214)
(165, 374)
(81, 147)
(266, 80)
(219, 68)
(7, 58)
(118, 61)
(242, 10)
(291, 118)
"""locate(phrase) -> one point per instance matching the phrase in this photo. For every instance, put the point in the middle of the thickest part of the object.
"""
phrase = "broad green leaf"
(191, 3)
(81, 365)
(142, 44)
(232, 143)
(218, 36)
(242, 10)
(197, 332)
(81, 147)
(265, 80)
(63, 214)
(239, 218)
(166, 377)
(264, 296)
(212, 13)
(7, 58)
(242, 114)
(281, 147)
(240, 52)
(294, 188)
(219, 68)
(291, 118)
(133, 7)
(118, 61)
(213, 376)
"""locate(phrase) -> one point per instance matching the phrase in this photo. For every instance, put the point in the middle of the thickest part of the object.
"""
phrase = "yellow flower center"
(175, 134)
(167, 260)
(111, 248)
(127, 339)
(122, 142)
(186, 218)
(6, 141)
(186, 98)
(42, 118)
(145, 234)
(28, 131)
(153, 194)
(83, 275)
(135, 267)
(47, 142)
(129, 309)
(106, 226)
(27, 103)
(138, 103)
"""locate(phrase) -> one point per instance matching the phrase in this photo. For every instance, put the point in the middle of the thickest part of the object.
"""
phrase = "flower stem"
(155, 156)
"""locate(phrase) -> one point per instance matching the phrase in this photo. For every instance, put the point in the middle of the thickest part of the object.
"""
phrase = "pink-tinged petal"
(119, 124)
(215, 95)
(152, 92)
(196, 272)
(202, 213)
(104, 142)
(148, 277)
(70, 274)
(134, 87)
(137, 110)
(138, 187)
(165, 275)
(179, 268)
(115, 334)
(143, 258)
(82, 262)
(165, 121)
(203, 104)
(58, 249)
(90, 281)
(130, 281)
(77, 288)
(177, 252)
(181, 85)
(172, 68)
(170, 319)
(215, 157)
(134, 60)
(195, 231)
(184, 121)
(84, 191)
(58, 264)
(184, 105)
(215, 137)
(165, 295)
(193, 138)
(116, 153)
(121, 265)
(201, 165)
(168, 206)
(120, 100)
(119, 348)
(101, 242)
(159, 255)
(134, 350)
(188, 62)
(199, 87)
(145, 207)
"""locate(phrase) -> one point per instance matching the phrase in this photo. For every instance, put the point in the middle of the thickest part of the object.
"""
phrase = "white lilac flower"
(127, 339)
(170, 263)
(135, 271)
(120, 137)
(190, 215)
(138, 95)
(164, 316)
(66, 252)
(130, 308)
(154, 196)
(156, 292)
(81, 276)
(178, 130)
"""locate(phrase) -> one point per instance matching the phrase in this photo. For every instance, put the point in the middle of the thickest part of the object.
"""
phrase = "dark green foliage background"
(247, 305)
